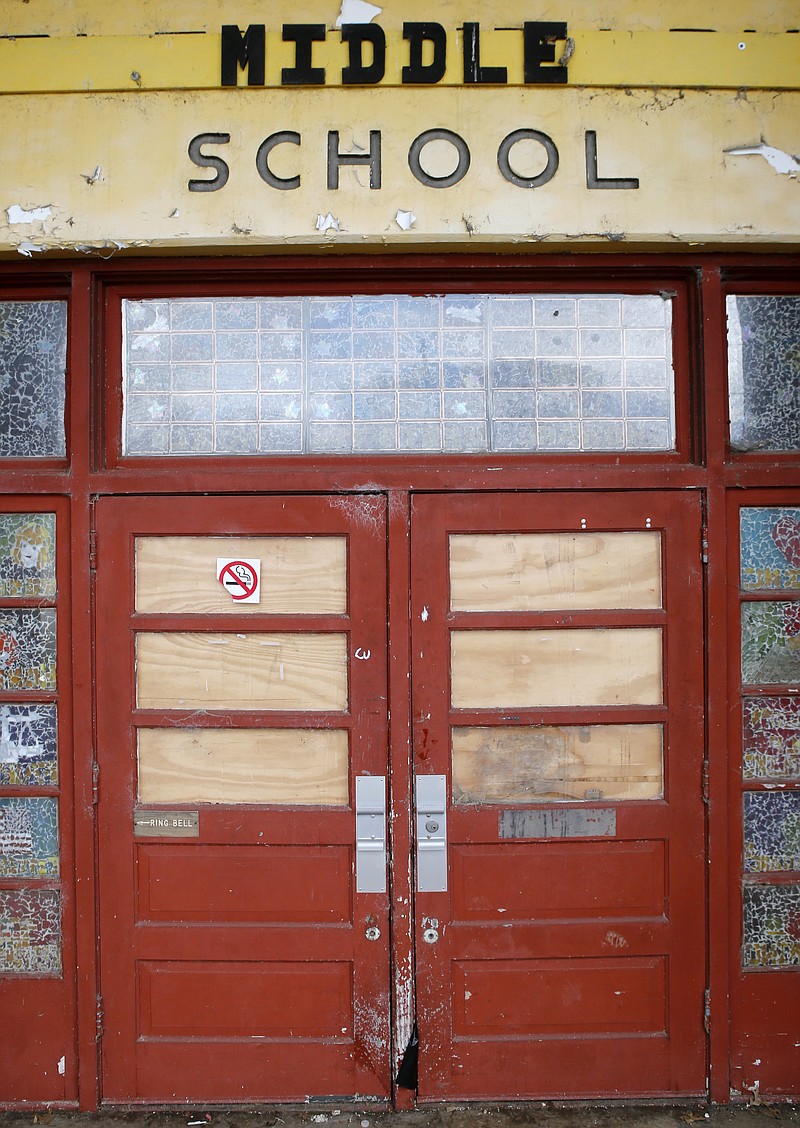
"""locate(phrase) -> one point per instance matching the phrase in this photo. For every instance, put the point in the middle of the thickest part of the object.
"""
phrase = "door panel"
(558, 685)
(236, 961)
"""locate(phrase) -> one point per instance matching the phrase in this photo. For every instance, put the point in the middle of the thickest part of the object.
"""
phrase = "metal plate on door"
(432, 834)
(370, 834)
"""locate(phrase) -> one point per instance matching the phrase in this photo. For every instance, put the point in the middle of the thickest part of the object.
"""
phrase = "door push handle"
(431, 822)
(370, 834)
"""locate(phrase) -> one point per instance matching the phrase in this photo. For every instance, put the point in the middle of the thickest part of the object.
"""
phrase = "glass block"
(350, 360)
(28, 555)
(236, 346)
(601, 374)
(280, 313)
(464, 310)
(600, 342)
(241, 314)
(514, 374)
(513, 343)
(329, 313)
(374, 405)
(603, 434)
(192, 409)
(33, 364)
(28, 746)
(236, 438)
(185, 439)
(556, 342)
(511, 312)
(191, 315)
(192, 377)
(764, 371)
(30, 932)
(374, 437)
(645, 342)
(509, 436)
(373, 313)
(29, 837)
(770, 643)
(329, 377)
(280, 346)
(599, 311)
(280, 405)
(550, 310)
(771, 925)
(28, 649)
(236, 407)
(771, 831)
(419, 436)
(771, 738)
(237, 376)
(769, 539)
(280, 438)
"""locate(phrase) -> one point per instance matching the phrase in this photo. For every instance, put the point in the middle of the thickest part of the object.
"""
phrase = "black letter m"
(246, 50)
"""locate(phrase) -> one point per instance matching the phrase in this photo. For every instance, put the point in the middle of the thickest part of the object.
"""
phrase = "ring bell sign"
(425, 63)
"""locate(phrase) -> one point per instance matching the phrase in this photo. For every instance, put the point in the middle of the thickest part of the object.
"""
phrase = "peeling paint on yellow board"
(691, 188)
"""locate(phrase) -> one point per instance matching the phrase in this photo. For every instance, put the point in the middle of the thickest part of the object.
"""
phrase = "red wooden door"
(239, 960)
(557, 695)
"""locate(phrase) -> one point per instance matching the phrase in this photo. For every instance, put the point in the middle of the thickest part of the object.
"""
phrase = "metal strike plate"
(370, 834)
(432, 834)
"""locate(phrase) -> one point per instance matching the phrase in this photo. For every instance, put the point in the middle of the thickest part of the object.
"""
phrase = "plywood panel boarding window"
(461, 373)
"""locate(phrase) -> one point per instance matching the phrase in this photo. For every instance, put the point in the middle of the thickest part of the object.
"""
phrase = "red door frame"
(705, 462)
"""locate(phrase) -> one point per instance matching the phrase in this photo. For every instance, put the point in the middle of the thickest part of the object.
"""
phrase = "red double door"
(246, 872)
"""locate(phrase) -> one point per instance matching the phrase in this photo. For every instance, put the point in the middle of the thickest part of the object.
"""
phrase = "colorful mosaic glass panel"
(460, 373)
(28, 837)
(771, 936)
(27, 555)
(33, 354)
(764, 372)
(771, 738)
(30, 932)
(28, 649)
(770, 548)
(771, 831)
(770, 643)
(28, 746)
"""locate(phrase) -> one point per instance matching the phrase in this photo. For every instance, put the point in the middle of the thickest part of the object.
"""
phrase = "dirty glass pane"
(28, 837)
(771, 831)
(764, 372)
(771, 738)
(770, 548)
(27, 554)
(770, 643)
(771, 925)
(30, 932)
(28, 750)
(28, 649)
(33, 358)
(459, 373)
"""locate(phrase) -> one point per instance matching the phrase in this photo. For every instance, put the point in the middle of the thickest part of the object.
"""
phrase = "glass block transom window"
(392, 374)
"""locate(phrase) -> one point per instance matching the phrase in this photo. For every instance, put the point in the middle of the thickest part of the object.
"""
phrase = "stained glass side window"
(30, 899)
(33, 352)
(392, 374)
(770, 624)
(764, 372)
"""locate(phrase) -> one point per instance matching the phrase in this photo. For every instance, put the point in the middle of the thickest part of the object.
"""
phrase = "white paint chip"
(93, 177)
(782, 162)
(62, 1066)
(28, 249)
(357, 12)
(327, 222)
(405, 219)
(17, 214)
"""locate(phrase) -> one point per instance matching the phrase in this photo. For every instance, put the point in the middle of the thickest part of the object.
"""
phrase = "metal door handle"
(431, 793)
(370, 834)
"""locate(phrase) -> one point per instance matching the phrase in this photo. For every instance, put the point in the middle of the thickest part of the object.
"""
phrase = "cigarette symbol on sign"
(239, 578)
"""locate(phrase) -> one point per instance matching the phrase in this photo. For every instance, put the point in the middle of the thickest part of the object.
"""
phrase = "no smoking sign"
(240, 578)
